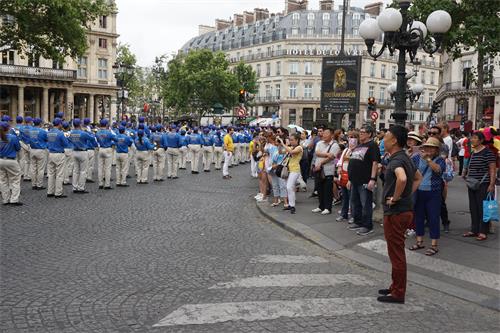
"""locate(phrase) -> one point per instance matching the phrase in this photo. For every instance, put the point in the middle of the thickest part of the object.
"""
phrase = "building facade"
(85, 87)
(286, 51)
(458, 92)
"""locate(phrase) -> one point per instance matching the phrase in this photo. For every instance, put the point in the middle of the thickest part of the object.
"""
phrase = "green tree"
(130, 81)
(476, 26)
(194, 82)
(53, 29)
(247, 77)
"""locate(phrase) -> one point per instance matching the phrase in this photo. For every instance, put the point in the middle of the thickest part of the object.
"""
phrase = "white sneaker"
(325, 212)
(316, 210)
(340, 219)
(258, 196)
(261, 199)
(373, 205)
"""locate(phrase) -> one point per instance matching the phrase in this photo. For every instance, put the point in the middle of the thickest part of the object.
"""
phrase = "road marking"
(460, 272)
(285, 259)
(198, 314)
(295, 280)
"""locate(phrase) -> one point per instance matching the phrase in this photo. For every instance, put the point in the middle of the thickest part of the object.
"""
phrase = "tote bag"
(490, 209)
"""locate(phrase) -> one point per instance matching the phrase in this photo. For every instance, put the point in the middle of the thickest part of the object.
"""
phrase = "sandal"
(469, 234)
(432, 250)
(481, 237)
(417, 246)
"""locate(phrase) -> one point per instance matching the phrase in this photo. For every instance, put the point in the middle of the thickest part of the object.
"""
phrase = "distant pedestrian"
(10, 171)
(401, 180)
(228, 152)
(295, 152)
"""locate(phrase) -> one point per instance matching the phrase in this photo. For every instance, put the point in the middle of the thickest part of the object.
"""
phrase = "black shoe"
(15, 203)
(313, 195)
(182, 168)
(101, 187)
(175, 177)
(34, 188)
(122, 185)
(390, 299)
(128, 176)
(161, 180)
(50, 195)
(108, 188)
(60, 196)
(26, 180)
(384, 292)
(6, 203)
(169, 177)
(292, 210)
(80, 191)
(287, 208)
(90, 181)
(446, 228)
(206, 170)
(67, 184)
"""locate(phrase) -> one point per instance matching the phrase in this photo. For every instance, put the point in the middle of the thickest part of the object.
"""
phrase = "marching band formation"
(28, 150)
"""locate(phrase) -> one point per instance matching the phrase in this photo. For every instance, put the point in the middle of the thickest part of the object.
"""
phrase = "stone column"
(20, 101)
(38, 100)
(97, 110)
(113, 110)
(90, 108)
(51, 105)
(45, 105)
(70, 104)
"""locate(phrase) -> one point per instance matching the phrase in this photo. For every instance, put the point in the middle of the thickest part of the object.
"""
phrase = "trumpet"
(155, 146)
(16, 131)
(67, 134)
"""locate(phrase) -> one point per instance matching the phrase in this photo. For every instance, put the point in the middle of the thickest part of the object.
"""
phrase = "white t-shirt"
(322, 147)
(448, 141)
(460, 144)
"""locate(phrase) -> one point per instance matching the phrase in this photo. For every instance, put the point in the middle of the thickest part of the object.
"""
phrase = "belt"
(7, 158)
(79, 149)
(56, 152)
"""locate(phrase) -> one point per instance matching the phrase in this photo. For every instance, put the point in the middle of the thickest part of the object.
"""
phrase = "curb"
(333, 247)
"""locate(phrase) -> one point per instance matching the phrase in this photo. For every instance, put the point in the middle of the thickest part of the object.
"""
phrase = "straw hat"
(432, 142)
(415, 136)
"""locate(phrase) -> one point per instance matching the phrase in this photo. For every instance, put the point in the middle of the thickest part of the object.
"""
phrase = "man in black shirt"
(401, 180)
(362, 171)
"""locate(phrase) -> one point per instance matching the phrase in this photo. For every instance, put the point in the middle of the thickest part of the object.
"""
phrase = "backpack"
(454, 149)
(449, 173)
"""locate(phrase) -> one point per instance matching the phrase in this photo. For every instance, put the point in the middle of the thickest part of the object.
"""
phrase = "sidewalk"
(464, 267)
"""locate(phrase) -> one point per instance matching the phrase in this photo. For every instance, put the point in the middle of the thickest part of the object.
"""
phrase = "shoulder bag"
(282, 168)
(474, 184)
(322, 170)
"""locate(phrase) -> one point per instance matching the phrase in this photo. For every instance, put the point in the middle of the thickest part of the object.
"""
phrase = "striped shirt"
(479, 165)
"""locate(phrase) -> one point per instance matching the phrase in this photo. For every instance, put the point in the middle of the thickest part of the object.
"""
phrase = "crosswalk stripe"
(288, 259)
(460, 272)
(210, 313)
(294, 280)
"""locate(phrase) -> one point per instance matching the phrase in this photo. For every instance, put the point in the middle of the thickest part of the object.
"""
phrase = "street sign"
(242, 112)
(374, 115)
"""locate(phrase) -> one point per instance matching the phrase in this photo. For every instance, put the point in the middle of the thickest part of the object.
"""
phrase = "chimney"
(203, 29)
(261, 14)
(295, 5)
(248, 17)
(326, 5)
(238, 20)
(374, 8)
(222, 24)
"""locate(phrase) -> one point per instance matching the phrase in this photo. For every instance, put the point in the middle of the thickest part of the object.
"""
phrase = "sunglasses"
(433, 133)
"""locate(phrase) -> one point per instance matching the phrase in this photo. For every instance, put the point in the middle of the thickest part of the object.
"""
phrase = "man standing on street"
(401, 180)
(173, 144)
(56, 144)
(228, 152)
(81, 140)
(106, 139)
(362, 171)
(448, 142)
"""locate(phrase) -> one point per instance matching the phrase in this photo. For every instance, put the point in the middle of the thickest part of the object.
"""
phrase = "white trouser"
(195, 156)
(122, 166)
(158, 163)
(10, 180)
(207, 157)
(68, 169)
(104, 167)
(142, 160)
(253, 167)
(236, 154)
(80, 161)
(37, 166)
(218, 157)
(90, 164)
(172, 162)
(183, 151)
(113, 158)
(55, 171)
(290, 187)
(244, 152)
(24, 160)
(227, 162)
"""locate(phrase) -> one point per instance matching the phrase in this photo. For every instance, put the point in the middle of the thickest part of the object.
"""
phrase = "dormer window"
(295, 18)
(310, 19)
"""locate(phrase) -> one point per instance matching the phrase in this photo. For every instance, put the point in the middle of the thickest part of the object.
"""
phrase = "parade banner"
(340, 84)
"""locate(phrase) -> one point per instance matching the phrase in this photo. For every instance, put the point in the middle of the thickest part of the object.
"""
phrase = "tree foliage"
(196, 81)
(247, 77)
(131, 82)
(53, 29)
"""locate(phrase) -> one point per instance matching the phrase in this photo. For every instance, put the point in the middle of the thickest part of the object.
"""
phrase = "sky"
(156, 27)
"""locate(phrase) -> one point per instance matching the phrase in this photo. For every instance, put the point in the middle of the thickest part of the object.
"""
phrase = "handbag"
(490, 209)
(282, 168)
(474, 184)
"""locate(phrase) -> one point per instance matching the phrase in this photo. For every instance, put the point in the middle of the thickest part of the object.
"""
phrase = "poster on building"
(340, 84)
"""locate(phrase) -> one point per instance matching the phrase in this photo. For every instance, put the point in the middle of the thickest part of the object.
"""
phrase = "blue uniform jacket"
(195, 139)
(218, 140)
(208, 140)
(56, 141)
(38, 138)
(159, 139)
(25, 133)
(145, 145)
(81, 140)
(123, 141)
(9, 148)
(183, 140)
(105, 138)
(173, 140)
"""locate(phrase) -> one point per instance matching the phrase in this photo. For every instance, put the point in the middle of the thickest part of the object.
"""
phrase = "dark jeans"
(394, 232)
(346, 198)
(304, 169)
(444, 209)
(361, 204)
(325, 193)
(460, 165)
(476, 210)
(427, 205)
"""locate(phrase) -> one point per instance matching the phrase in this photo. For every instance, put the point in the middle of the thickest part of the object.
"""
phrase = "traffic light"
(372, 105)
(435, 108)
(242, 97)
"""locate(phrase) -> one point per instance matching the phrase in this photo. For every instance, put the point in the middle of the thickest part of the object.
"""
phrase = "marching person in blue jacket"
(38, 154)
(68, 152)
(173, 144)
(90, 150)
(208, 149)
(183, 149)
(10, 171)
(195, 141)
(25, 148)
(106, 140)
(123, 142)
(218, 149)
(159, 141)
(144, 147)
(56, 143)
(81, 140)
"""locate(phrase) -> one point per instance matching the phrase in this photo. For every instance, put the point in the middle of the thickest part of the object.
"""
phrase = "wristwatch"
(373, 178)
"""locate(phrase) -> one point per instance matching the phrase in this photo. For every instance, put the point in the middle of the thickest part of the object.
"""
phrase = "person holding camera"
(295, 151)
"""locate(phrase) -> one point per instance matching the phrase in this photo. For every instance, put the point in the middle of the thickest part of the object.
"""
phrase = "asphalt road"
(192, 255)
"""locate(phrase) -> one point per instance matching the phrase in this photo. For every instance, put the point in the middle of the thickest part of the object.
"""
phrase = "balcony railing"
(37, 72)
(277, 99)
(458, 87)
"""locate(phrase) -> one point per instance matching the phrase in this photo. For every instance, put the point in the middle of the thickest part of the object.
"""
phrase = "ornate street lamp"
(406, 35)
(122, 73)
(412, 93)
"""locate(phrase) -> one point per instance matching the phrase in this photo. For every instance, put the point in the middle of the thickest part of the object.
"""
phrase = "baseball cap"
(103, 122)
(37, 121)
(77, 122)
(56, 121)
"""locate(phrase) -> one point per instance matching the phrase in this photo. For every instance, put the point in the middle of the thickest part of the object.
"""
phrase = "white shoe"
(316, 210)
(325, 212)
(374, 205)
(261, 199)
(340, 219)
(258, 196)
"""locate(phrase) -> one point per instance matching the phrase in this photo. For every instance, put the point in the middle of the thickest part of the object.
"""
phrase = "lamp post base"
(399, 118)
